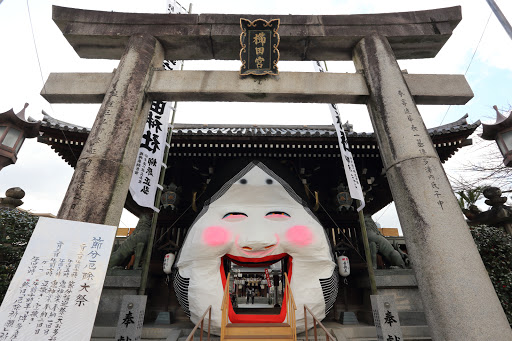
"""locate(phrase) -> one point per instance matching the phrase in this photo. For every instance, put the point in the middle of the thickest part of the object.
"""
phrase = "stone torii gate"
(459, 299)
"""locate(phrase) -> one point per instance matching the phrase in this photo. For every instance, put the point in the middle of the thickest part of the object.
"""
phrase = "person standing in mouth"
(248, 294)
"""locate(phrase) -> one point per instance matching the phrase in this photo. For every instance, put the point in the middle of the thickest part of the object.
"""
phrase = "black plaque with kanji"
(259, 41)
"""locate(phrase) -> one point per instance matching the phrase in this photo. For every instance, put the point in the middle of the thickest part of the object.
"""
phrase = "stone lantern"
(14, 128)
(499, 215)
(12, 198)
(501, 132)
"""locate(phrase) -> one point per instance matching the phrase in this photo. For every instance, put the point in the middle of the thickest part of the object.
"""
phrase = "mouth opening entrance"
(257, 287)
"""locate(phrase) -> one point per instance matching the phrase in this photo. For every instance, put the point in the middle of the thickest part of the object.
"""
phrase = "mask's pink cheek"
(216, 236)
(299, 235)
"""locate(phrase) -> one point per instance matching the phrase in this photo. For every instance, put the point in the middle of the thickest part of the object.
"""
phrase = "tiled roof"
(51, 122)
(460, 125)
(265, 130)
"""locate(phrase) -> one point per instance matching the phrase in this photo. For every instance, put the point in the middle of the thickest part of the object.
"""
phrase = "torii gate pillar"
(98, 188)
(459, 299)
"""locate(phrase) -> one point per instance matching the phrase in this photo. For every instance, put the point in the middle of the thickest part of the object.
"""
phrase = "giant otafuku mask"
(255, 219)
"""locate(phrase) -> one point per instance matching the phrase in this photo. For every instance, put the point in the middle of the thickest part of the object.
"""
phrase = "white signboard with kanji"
(55, 292)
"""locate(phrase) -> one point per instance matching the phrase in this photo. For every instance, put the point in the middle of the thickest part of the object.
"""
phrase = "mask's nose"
(257, 240)
(257, 246)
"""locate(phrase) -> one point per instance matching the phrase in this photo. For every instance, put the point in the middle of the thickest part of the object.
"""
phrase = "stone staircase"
(258, 332)
(179, 332)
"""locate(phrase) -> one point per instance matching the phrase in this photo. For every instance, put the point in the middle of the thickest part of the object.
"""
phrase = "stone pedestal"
(117, 284)
(402, 285)
(131, 317)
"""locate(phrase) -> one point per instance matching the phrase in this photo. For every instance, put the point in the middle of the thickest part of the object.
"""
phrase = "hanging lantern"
(169, 196)
(168, 262)
(343, 198)
(501, 132)
(13, 131)
(343, 265)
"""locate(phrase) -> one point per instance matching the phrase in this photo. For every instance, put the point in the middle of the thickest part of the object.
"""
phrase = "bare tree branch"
(483, 167)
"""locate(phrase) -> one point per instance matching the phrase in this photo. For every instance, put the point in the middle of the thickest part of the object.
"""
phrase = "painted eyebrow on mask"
(234, 214)
(277, 213)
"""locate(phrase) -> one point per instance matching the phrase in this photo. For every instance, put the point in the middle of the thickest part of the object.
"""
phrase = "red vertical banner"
(268, 278)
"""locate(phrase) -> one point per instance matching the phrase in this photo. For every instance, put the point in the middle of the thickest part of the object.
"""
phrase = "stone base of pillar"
(402, 285)
(117, 284)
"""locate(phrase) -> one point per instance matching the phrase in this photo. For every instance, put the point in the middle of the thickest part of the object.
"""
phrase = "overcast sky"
(45, 176)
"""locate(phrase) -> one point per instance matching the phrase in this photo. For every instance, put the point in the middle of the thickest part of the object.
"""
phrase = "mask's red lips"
(257, 262)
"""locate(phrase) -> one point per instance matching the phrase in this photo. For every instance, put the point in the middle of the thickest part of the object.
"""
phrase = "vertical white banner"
(173, 7)
(146, 173)
(55, 292)
(354, 186)
(148, 165)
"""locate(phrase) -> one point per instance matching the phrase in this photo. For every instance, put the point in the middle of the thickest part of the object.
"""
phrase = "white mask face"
(256, 218)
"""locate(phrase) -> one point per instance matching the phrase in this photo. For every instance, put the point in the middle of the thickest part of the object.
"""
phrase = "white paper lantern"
(343, 266)
(168, 262)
